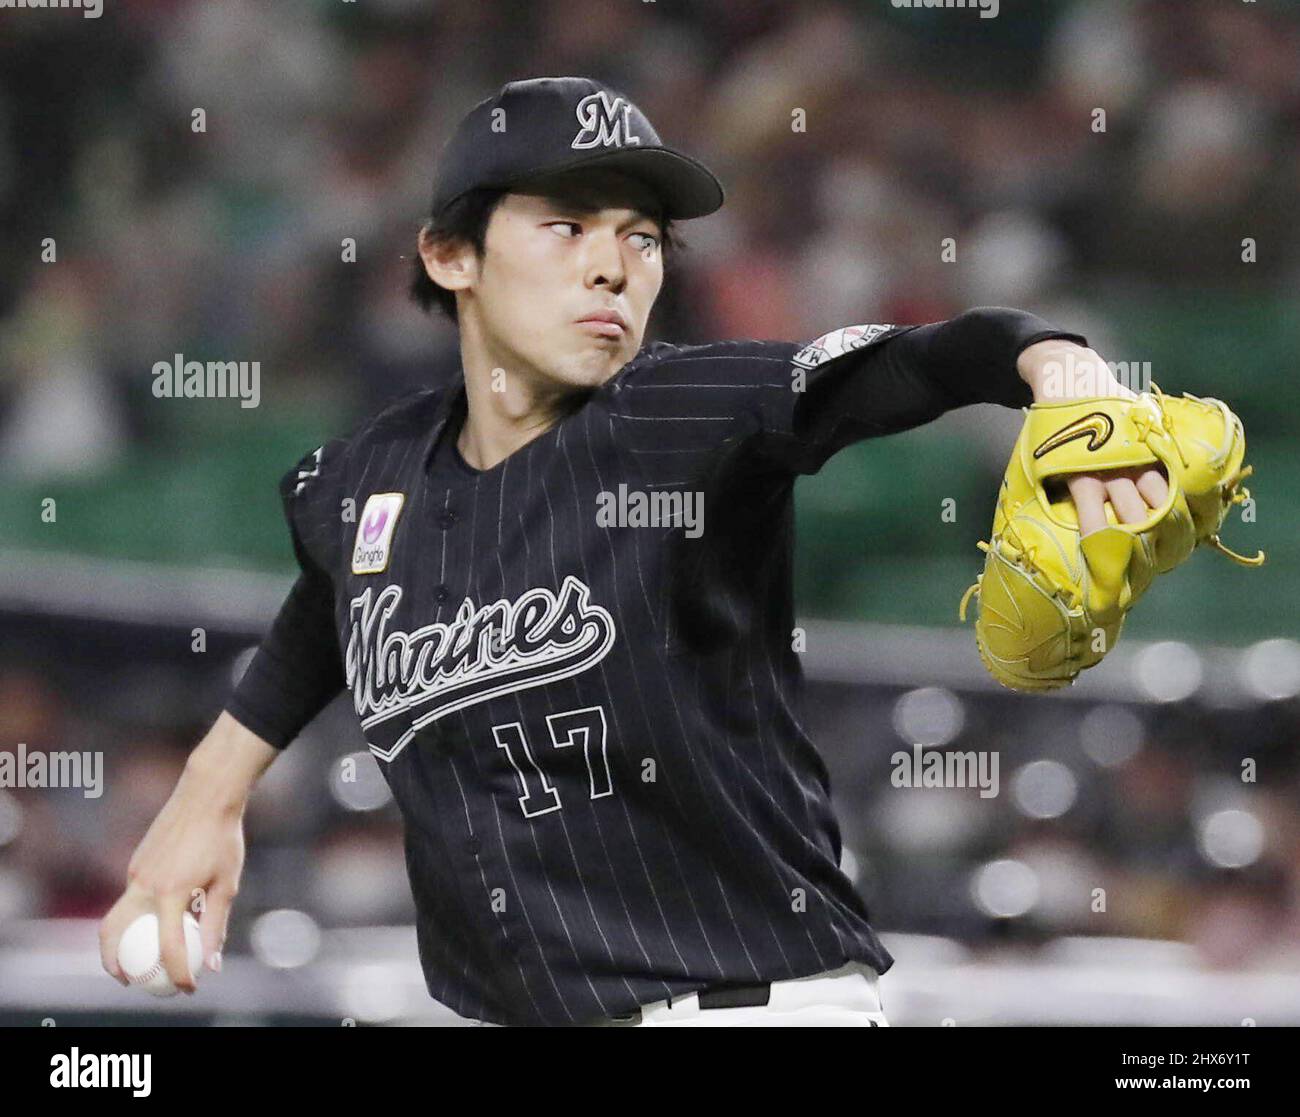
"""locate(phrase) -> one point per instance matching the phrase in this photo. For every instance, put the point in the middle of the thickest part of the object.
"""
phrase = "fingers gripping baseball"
(171, 933)
(188, 863)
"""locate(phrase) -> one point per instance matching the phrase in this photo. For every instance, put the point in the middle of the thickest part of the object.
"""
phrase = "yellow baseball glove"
(1052, 603)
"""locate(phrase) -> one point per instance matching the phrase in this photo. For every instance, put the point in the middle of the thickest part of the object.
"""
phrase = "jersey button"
(441, 594)
(446, 519)
(473, 845)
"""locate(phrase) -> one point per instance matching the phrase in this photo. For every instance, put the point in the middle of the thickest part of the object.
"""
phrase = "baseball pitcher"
(557, 593)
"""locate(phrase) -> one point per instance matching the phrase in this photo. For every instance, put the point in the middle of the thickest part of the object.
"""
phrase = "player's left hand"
(1058, 370)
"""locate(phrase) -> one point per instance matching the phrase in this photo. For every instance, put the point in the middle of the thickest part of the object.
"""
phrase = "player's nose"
(604, 262)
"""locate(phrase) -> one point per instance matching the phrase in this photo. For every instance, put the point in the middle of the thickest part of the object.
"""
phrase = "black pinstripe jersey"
(584, 697)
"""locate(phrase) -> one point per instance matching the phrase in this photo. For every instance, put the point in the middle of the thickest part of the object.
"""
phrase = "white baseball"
(139, 953)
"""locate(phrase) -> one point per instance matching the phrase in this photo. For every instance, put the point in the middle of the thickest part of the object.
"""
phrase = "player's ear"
(450, 262)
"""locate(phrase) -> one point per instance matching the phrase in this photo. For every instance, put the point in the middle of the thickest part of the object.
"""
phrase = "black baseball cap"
(542, 125)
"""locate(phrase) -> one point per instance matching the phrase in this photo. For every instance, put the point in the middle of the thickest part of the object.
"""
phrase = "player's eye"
(649, 242)
(566, 225)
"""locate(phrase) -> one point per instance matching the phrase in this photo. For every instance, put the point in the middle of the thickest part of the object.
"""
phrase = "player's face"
(573, 246)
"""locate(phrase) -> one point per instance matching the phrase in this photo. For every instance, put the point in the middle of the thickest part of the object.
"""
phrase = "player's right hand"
(192, 856)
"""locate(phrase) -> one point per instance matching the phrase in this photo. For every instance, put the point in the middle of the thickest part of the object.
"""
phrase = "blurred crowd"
(321, 122)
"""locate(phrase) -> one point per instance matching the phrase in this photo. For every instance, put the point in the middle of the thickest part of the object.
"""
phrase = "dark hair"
(466, 219)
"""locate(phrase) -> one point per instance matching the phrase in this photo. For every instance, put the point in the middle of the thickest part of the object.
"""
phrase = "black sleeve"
(867, 381)
(298, 668)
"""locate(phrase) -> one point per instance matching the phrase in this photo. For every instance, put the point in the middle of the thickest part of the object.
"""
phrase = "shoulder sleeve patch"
(308, 478)
(309, 493)
(308, 468)
(838, 342)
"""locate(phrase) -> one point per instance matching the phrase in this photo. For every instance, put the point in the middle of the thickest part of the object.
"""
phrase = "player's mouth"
(604, 323)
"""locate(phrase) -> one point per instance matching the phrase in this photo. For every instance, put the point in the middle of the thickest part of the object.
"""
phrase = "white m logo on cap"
(601, 126)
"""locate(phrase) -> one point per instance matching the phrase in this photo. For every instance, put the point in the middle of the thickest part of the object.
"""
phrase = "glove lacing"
(1237, 493)
(1027, 558)
(1233, 491)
